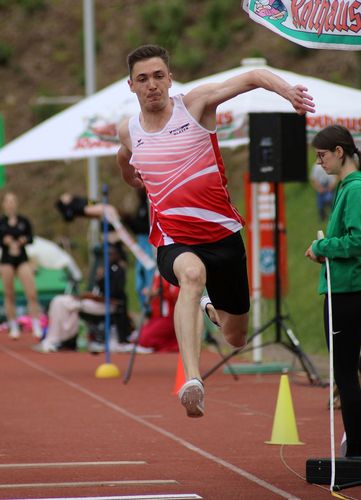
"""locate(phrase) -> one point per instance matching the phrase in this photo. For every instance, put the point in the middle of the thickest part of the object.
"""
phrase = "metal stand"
(279, 320)
(213, 341)
(143, 318)
(133, 353)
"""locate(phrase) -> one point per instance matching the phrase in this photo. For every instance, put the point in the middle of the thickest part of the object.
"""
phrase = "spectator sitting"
(64, 309)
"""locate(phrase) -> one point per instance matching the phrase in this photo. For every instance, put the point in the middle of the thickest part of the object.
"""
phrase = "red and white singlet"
(183, 173)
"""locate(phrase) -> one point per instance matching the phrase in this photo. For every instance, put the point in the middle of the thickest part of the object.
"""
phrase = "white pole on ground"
(90, 88)
(320, 236)
(256, 275)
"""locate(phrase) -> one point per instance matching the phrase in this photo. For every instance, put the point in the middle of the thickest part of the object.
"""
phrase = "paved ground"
(67, 434)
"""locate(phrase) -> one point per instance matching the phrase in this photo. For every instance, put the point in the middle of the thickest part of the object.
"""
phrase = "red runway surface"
(67, 434)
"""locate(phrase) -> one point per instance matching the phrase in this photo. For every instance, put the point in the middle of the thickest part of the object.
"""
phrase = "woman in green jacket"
(337, 153)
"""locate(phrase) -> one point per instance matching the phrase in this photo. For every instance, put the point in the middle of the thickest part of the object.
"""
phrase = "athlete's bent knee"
(237, 339)
(193, 276)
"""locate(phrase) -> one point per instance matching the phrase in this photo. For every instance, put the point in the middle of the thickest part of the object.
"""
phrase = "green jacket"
(342, 244)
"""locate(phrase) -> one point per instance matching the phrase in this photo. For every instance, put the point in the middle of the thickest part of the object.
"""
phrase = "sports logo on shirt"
(179, 130)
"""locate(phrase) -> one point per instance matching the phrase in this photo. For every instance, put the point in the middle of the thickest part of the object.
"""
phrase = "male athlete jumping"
(171, 148)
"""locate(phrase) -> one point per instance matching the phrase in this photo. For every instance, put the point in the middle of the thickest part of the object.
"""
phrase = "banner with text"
(318, 24)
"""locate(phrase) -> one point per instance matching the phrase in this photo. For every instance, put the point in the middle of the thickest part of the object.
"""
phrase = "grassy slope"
(303, 302)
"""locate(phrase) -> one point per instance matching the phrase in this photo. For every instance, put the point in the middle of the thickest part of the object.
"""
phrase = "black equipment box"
(347, 471)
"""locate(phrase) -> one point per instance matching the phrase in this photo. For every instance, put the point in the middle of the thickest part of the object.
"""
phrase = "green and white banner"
(318, 24)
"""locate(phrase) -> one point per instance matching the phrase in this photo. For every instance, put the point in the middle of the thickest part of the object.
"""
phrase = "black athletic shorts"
(226, 266)
(13, 260)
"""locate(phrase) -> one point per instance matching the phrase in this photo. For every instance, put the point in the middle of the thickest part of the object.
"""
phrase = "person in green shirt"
(337, 154)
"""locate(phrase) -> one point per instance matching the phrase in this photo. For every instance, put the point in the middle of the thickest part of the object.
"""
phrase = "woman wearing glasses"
(337, 154)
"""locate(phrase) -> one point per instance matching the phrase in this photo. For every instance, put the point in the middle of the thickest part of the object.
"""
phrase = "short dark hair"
(335, 135)
(147, 52)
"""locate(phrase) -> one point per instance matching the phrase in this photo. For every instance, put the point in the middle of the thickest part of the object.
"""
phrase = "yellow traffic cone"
(284, 429)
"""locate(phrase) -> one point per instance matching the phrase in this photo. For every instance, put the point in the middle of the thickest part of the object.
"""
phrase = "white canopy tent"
(88, 128)
(334, 103)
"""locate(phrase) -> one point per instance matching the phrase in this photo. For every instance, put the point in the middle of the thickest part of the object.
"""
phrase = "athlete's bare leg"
(8, 276)
(26, 276)
(191, 275)
(233, 326)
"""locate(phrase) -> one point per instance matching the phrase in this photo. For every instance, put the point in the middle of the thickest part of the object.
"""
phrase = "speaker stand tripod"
(279, 320)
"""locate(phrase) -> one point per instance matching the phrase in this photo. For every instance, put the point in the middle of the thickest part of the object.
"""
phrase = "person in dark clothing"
(15, 234)
(73, 206)
(337, 153)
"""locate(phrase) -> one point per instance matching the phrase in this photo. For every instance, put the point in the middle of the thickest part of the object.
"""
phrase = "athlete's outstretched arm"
(210, 96)
(99, 209)
(130, 175)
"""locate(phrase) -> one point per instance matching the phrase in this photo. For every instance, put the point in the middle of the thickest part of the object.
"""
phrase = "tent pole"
(90, 88)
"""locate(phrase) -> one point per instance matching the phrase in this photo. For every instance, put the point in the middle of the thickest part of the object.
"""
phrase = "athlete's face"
(151, 81)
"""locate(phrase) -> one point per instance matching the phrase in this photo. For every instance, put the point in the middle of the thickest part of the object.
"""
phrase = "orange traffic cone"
(180, 377)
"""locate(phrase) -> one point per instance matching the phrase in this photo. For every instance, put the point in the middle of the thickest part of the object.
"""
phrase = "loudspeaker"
(278, 150)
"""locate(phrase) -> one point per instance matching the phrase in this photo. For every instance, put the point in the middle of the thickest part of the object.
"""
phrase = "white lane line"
(70, 464)
(152, 416)
(79, 484)
(185, 496)
(186, 444)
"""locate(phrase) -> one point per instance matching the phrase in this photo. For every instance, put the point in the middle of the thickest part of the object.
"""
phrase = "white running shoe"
(129, 347)
(37, 330)
(191, 395)
(14, 333)
(204, 303)
(96, 347)
(45, 347)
